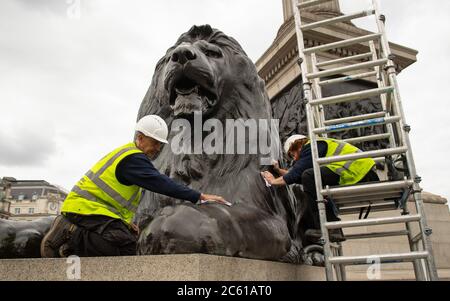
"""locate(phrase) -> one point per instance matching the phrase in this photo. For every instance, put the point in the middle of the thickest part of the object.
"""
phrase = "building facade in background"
(30, 199)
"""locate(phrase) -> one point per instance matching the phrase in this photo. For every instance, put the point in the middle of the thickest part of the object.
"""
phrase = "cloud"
(61, 8)
(26, 146)
(45, 5)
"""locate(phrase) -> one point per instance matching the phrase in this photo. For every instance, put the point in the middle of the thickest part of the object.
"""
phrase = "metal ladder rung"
(367, 200)
(379, 160)
(342, 70)
(385, 193)
(366, 188)
(361, 155)
(346, 59)
(376, 234)
(374, 208)
(384, 258)
(311, 3)
(373, 222)
(352, 41)
(348, 78)
(367, 138)
(344, 18)
(356, 125)
(378, 203)
(351, 96)
(355, 118)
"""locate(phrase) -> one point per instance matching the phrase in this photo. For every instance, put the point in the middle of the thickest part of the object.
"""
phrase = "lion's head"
(206, 72)
(203, 71)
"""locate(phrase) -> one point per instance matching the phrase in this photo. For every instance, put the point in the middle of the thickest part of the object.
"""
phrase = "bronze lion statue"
(22, 239)
(208, 73)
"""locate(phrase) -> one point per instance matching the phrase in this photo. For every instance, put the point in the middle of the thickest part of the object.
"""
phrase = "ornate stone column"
(331, 8)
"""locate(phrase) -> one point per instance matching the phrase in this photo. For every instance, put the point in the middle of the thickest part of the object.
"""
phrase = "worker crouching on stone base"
(298, 148)
(97, 214)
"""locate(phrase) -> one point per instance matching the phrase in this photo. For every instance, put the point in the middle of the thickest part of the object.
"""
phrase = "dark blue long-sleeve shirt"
(294, 176)
(137, 169)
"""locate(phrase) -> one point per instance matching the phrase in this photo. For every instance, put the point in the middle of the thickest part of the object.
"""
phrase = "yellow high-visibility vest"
(100, 193)
(350, 172)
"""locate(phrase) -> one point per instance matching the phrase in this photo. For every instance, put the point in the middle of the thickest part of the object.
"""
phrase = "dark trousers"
(99, 235)
(331, 179)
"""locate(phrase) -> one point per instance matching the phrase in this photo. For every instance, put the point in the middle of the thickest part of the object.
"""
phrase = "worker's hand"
(268, 176)
(135, 228)
(214, 198)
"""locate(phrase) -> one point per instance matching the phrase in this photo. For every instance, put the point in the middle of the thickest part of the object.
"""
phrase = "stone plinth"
(193, 267)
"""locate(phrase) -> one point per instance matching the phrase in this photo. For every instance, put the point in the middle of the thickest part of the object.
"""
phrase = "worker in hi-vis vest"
(298, 148)
(97, 214)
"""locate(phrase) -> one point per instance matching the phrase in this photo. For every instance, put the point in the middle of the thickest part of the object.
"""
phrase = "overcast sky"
(71, 81)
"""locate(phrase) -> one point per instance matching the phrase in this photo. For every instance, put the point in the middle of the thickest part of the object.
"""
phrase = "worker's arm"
(294, 176)
(138, 170)
(278, 170)
(272, 180)
(278, 182)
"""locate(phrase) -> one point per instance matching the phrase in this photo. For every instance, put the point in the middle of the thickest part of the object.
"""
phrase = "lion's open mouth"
(188, 96)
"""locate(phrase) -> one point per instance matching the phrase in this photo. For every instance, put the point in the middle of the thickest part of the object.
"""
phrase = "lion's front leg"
(215, 229)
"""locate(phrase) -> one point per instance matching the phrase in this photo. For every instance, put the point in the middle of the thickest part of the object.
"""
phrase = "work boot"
(60, 232)
(336, 235)
(65, 251)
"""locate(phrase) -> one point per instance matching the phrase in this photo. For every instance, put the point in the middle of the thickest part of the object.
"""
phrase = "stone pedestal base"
(166, 268)
(194, 267)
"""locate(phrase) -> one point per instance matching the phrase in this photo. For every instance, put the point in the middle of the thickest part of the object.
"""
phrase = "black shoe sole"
(46, 249)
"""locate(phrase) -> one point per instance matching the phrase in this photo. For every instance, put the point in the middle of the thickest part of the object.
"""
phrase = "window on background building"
(34, 197)
(21, 197)
(16, 210)
(31, 210)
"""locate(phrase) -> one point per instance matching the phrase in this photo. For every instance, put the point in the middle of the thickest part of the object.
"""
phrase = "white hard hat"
(291, 140)
(153, 126)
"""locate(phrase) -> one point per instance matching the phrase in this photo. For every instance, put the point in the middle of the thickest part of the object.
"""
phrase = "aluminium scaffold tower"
(390, 195)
